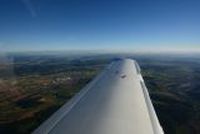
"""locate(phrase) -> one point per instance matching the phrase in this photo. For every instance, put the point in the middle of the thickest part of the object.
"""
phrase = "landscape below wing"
(115, 102)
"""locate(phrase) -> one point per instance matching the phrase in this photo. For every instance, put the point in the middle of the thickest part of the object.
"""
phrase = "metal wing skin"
(115, 102)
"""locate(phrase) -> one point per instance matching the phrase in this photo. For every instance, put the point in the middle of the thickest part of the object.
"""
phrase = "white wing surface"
(115, 102)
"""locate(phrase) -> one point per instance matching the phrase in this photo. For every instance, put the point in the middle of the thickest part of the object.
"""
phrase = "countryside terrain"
(34, 86)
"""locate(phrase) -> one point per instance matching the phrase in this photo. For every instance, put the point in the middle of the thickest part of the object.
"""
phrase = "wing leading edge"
(115, 102)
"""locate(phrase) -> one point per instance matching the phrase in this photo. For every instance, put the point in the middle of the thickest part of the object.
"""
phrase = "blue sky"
(115, 25)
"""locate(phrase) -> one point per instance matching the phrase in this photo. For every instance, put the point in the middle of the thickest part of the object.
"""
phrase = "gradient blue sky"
(99, 24)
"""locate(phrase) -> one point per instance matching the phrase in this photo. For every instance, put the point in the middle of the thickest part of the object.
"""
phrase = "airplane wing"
(115, 102)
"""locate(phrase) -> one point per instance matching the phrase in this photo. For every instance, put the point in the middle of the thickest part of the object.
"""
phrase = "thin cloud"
(30, 7)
